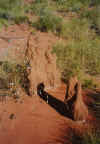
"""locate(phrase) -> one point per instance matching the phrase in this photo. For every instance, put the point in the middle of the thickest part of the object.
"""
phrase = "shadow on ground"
(55, 103)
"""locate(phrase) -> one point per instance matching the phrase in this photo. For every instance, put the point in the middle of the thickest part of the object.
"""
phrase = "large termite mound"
(42, 61)
(74, 100)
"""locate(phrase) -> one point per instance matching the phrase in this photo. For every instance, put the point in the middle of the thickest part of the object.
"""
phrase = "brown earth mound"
(74, 100)
(16, 42)
(42, 62)
(80, 109)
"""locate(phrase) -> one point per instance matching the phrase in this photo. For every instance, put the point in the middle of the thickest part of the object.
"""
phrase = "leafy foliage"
(15, 73)
(11, 10)
(49, 22)
(81, 53)
(86, 139)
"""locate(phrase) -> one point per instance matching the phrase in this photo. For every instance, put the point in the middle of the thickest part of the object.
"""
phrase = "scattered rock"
(12, 116)
(21, 101)
(5, 111)
(16, 101)
(16, 97)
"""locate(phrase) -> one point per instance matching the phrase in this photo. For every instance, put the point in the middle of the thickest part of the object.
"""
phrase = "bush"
(88, 83)
(77, 57)
(75, 28)
(72, 5)
(23, 19)
(38, 7)
(49, 22)
(67, 60)
(86, 139)
(11, 10)
(91, 136)
(16, 74)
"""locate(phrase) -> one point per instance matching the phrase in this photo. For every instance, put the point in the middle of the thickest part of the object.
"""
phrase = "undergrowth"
(12, 11)
(15, 75)
(88, 138)
(49, 22)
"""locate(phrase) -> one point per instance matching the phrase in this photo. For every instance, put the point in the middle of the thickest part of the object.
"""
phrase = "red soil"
(35, 121)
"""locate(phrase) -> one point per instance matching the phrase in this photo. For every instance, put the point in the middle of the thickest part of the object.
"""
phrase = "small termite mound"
(80, 109)
(74, 100)
(70, 90)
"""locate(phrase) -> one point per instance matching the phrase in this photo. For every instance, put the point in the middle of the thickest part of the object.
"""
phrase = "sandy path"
(35, 121)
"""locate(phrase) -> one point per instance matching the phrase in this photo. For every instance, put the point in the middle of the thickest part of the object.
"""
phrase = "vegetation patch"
(11, 11)
(49, 22)
(87, 138)
(15, 75)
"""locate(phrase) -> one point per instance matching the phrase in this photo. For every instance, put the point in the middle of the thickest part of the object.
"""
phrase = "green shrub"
(67, 60)
(97, 18)
(77, 57)
(7, 67)
(93, 17)
(72, 5)
(86, 139)
(88, 83)
(11, 10)
(91, 138)
(76, 29)
(49, 22)
(16, 74)
(38, 7)
(23, 19)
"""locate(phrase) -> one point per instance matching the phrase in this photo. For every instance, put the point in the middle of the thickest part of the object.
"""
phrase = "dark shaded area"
(94, 3)
(25, 83)
(70, 136)
(95, 95)
(96, 28)
(55, 103)
(12, 116)
(95, 105)
(4, 83)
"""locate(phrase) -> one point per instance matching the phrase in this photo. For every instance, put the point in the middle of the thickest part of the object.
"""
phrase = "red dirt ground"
(35, 121)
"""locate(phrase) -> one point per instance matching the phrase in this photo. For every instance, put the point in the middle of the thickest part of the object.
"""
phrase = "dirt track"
(35, 122)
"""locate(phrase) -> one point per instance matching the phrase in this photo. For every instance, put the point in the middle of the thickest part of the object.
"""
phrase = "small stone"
(12, 116)
(21, 101)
